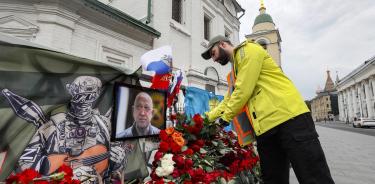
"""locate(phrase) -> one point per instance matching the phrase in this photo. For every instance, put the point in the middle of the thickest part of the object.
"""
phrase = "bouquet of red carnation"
(30, 176)
(197, 151)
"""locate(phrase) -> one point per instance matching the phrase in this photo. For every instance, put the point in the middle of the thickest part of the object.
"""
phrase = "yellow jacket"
(261, 85)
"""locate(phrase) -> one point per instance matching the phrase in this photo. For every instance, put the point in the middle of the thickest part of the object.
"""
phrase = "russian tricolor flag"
(158, 60)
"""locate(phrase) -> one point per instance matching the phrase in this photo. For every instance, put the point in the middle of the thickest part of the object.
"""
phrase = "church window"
(210, 88)
(177, 10)
(207, 22)
(227, 34)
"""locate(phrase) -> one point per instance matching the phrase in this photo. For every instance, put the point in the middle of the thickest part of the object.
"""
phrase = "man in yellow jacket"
(284, 129)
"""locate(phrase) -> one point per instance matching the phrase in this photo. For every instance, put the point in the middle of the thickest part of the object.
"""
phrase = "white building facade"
(356, 93)
(119, 32)
(85, 28)
(187, 25)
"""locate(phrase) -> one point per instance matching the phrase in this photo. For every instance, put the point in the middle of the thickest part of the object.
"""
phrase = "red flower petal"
(163, 135)
(163, 147)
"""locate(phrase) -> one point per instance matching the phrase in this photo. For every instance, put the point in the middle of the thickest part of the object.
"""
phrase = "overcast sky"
(338, 35)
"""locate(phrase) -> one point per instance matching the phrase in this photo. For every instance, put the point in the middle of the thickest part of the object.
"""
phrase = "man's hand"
(206, 114)
(223, 122)
(211, 118)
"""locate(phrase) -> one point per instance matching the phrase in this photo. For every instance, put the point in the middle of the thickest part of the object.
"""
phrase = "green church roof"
(263, 18)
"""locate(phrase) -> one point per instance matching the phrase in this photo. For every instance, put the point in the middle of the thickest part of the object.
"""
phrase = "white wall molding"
(18, 27)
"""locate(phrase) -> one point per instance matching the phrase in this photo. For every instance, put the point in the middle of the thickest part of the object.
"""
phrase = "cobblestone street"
(350, 156)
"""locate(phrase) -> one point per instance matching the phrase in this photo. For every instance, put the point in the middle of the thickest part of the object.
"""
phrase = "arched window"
(211, 73)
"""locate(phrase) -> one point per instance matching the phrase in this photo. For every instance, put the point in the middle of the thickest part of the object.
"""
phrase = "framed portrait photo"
(138, 112)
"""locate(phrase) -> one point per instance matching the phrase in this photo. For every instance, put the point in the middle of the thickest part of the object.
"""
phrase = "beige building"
(324, 106)
(266, 34)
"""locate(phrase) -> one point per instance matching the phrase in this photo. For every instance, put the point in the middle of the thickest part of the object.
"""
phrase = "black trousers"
(295, 142)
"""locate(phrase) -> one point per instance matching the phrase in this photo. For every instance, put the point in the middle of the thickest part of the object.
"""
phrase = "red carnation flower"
(188, 152)
(175, 147)
(163, 135)
(231, 134)
(45, 182)
(67, 170)
(180, 161)
(225, 161)
(185, 126)
(163, 147)
(154, 176)
(198, 175)
(12, 178)
(234, 167)
(191, 173)
(188, 163)
(194, 130)
(211, 177)
(31, 173)
(158, 155)
(198, 119)
(199, 125)
(176, 173)
(245, 164)
(22, 178)
(195, 147)
(74, 181)
(227, 176)
(161, 181)
(27, 176)
(200, 142)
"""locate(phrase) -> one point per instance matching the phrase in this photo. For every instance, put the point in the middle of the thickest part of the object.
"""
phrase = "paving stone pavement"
(350, 156)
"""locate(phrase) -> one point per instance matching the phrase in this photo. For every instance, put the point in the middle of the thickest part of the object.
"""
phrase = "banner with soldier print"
(56, 109)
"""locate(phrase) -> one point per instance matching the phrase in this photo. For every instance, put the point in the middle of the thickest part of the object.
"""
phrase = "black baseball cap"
(207, 54)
